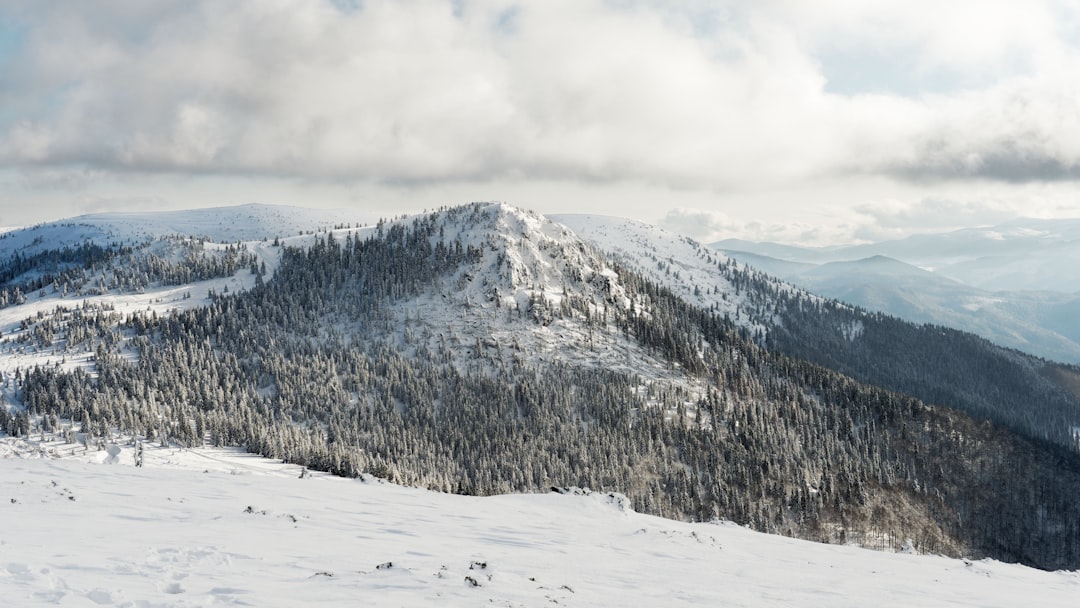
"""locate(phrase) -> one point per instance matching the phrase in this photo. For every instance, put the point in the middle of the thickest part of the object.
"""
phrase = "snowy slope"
(502, 308)
(699, 274)
(214, 527)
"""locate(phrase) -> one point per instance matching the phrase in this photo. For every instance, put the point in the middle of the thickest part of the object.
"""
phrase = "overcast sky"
(813, 121)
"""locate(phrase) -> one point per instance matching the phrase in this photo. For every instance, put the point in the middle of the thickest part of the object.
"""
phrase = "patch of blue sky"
(899, 71)
(506, 22)
(348, 6)
(1068, 25)
(12, 38)
(458, 8)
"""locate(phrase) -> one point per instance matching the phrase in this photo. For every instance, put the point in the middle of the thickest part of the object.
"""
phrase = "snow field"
(217, 527)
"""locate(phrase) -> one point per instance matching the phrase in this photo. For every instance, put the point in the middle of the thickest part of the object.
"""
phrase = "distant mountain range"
(1014, 284)
(1024, 254)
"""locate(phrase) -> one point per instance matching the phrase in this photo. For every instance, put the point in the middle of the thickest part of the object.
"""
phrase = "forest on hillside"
(310, 367)
(90, 269)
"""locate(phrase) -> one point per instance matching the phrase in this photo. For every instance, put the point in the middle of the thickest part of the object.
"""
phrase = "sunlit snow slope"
(699, 274)
(212, 527)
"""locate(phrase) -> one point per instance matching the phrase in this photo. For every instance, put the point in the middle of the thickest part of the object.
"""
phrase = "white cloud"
(887, 219)
(408, 91)
(720, 98)
(701, 224)
(968, 35)
(708, 226)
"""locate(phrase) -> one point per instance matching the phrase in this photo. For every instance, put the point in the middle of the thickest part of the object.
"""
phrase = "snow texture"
(216, 527)
(700, 275)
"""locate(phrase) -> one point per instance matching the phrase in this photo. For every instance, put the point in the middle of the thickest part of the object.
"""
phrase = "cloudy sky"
(817, 122)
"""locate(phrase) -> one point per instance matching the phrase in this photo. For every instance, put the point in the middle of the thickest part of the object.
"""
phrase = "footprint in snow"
(19, 571)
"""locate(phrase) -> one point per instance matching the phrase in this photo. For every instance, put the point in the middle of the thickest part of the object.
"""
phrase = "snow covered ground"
(217, 527)
(693, 271)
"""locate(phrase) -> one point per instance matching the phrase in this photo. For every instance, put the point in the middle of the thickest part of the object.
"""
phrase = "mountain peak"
(486, 348)
(876, 263)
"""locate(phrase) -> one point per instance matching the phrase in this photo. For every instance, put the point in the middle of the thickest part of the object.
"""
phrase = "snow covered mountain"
(698, 274)
(206, 526)
(251, 222)
(875, 349)
(127, 260)
(484, 349)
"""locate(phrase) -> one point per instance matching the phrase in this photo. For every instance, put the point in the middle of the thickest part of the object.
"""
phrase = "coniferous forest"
(479, 350)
